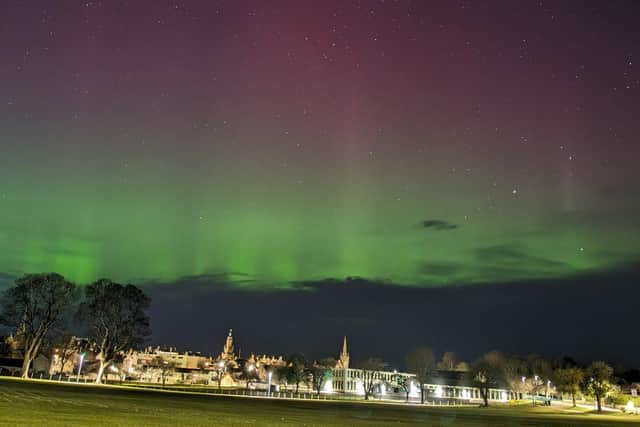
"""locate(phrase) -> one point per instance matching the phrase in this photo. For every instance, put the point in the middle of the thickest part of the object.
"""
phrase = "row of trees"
(297, 371)
(531, 374)
(535, 375)
(38, 306)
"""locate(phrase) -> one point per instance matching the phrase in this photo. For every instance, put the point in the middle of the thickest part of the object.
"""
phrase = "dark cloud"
(439, 269)
(438, 225)
(515, 259)
(6, 280)
(7, 276)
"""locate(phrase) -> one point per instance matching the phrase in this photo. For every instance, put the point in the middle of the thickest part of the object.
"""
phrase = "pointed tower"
(227, 352)
(343, 362)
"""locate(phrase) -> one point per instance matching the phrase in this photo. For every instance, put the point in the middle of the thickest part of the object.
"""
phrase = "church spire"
(343, 362)
(227, 351)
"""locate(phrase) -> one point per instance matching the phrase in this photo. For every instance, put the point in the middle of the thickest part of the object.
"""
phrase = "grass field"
(53, 404)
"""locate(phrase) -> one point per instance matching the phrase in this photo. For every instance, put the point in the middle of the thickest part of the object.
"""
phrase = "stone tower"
(227, 351)
(343, 362)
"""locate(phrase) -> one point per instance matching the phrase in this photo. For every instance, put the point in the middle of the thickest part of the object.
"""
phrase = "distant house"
(40, 365)
(11, 365)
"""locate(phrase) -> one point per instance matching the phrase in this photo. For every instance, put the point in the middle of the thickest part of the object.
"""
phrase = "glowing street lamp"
(219, 371)
(80, 366)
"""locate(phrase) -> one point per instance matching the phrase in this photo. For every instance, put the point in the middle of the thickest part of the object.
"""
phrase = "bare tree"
(65, 348)
(320, 371)
(35, 305)
(295, 371)
(421, 362)
(449, 361)
(165, 367)
(117, 318)
(487, 372)
(404, 384)
(515, 371)
(220, 369)
(371, 374)
(250, 375)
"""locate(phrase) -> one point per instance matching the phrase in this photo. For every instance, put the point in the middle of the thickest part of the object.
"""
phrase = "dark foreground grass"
(54, 404)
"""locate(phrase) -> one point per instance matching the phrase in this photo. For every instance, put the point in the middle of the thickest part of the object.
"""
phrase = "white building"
(351, 381)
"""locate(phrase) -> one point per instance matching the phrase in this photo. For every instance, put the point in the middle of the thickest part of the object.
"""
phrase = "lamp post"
(80, 367)
(536, 383)
(269, 375)
(220, 370)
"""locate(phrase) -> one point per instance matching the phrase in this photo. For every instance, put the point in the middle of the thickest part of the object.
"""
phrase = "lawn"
(54, 404)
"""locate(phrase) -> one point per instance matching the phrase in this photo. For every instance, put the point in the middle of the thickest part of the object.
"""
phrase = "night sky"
(305, 169)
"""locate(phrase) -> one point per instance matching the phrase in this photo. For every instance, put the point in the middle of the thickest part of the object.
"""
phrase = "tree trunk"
(62, 360)
(101, 369)
(26, 363)
(422, 393)
(599, 403)
(30, 350)
(573, 398)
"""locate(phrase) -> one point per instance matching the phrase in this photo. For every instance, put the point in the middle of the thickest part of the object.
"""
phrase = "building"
(347, 380)
(167, 365)
(446, 386)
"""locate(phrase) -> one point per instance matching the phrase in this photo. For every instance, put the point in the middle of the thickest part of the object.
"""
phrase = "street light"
(536, 383)
(269, 375)
(80, 366)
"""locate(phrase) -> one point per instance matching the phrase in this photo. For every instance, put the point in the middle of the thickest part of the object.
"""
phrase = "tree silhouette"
(421, 362)
(598, 381)
(569, 380)
(371, 374)
(35, 305)
(117, 318)
(320, 371)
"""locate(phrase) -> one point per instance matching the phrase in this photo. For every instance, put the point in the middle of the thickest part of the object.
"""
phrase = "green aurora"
(155, 220)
